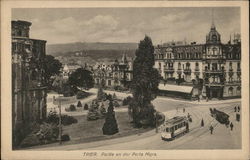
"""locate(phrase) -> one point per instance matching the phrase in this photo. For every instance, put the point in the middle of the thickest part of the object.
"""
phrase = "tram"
(174, 127)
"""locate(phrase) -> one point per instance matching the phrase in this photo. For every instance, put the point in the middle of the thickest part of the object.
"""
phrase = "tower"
(28, 81)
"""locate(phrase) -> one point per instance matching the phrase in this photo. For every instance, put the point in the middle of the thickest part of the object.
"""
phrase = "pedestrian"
(211, 129)
(202, 123)
(231, 126)
(235, 109)
(207, 99)
(183, 110)
(238, 108)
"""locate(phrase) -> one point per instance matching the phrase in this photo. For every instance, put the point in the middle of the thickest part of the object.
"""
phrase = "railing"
(187, 71)
(214, 83)
(214, 71)
(179, 71)
(168, 69)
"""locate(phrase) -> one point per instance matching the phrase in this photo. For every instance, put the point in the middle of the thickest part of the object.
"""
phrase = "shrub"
(72, 107)
(68, 120)
(65, 137)
(110, 126)
(102, 109)
(109, 97)
(86, 106)
(114, 96)
(48, 132)
(116, 104)
(127, 100)
(81, 94)
(93, 115)
(54, 119)
(30, 140)
(79, 104)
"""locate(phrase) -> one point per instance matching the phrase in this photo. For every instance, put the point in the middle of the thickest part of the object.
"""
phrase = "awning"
(175, 88)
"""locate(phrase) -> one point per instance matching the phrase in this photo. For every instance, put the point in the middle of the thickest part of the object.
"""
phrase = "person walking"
(211, 129)
(231, 126)
(183, 110)
(202, 123)
(235, 109)
(238, 108)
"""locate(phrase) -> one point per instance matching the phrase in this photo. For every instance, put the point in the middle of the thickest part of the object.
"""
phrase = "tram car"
(220, 116)
(174, 127)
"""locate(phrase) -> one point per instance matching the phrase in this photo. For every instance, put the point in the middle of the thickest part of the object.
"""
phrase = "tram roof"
(175, 120)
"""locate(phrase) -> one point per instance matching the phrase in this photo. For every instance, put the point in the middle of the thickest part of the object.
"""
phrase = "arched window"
(230, 91)
(179, 65)
(187, 65)
(196, 66)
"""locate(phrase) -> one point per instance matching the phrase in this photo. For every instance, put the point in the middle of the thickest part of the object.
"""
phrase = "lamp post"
(58, 82)
(60, 121)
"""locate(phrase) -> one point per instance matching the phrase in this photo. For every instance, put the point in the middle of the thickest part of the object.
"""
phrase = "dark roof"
(175, 120)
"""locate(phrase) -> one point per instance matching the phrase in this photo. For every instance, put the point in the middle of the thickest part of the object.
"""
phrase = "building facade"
(28, 83)
(115, 75)
(213, 68)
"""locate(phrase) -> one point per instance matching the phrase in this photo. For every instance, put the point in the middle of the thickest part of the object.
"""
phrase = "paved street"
(197, 138)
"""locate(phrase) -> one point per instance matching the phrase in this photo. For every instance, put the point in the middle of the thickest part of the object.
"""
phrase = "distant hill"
(61, 49)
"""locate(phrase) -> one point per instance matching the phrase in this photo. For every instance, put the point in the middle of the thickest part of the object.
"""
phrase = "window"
(214, 50)
(230, 91)
(187, 65)
(159, 65)
(109, 82)
(176, 127)
(230, 66)
(179, 65)
(238, 91)
(238, 65)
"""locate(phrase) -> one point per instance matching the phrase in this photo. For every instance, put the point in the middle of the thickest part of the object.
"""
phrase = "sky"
(68, 25)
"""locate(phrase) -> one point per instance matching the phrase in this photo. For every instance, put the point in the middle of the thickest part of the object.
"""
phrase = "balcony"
(187, 71)
(214, 84)
(169, 69)
(238, 70)
(214, 71)
(179, 71)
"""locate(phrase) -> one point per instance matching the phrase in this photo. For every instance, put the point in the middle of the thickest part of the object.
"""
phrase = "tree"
(52, 67)
(79, 104)
(144, 84)
(82, 78)
(100, 93)
(110, 126)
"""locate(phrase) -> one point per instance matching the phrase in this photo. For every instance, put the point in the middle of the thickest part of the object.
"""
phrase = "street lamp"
(58, 84)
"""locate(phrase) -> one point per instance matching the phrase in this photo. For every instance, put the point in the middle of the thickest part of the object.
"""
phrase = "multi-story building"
(117, 74)
(213, 69)
(28, 83)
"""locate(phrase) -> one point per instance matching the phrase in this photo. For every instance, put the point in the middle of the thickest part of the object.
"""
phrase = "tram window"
(167, 129)
(172, 129)
(176, 127)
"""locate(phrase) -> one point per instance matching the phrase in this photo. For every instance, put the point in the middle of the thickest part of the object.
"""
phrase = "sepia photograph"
(132, 79)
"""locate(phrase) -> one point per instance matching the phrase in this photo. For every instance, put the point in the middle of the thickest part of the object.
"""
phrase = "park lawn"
(88, 131)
